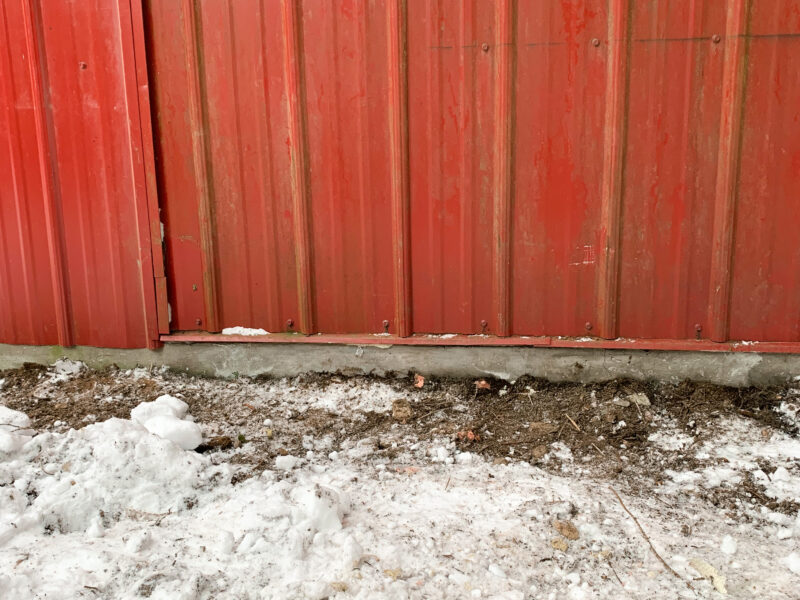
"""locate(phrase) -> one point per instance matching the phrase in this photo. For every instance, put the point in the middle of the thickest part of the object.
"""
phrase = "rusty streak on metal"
(613, 167)
(397, 24)
(728, 157)
(298, 142)
(200, 154)
(47, 169)
(503, 165)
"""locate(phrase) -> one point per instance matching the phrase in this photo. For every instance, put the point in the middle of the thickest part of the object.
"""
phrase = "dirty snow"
(118, 509)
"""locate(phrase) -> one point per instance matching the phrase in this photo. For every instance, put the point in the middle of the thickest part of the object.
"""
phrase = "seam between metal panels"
(149, 166)
(503, 163)
(202, 161)
(729, 155)
(617, 98)
(45, 141)
(397, 26)
(142, 160)
(296, 103)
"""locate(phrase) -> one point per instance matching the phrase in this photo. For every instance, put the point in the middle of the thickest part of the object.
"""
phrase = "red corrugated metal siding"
(609, 168)
(78, 258)
(560, 83)
(765, 276)
(27, 303)
(671, 151)
(508, 167)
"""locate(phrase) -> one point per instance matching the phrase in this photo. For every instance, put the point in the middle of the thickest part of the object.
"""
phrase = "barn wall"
(548, 171)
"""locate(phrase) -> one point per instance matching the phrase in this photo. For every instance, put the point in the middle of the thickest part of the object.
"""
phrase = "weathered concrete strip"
(586, 365)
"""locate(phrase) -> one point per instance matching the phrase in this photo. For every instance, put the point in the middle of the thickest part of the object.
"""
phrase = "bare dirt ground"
(500, 421)
(666, 448)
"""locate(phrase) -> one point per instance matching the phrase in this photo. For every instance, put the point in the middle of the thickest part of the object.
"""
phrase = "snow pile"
(165, 417)
(14, 432)
(90, 478)
(141, 498)
(243, 331)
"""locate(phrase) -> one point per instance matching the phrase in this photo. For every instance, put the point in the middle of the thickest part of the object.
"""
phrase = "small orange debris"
(419, 381)
(468, 436)
(482, 384)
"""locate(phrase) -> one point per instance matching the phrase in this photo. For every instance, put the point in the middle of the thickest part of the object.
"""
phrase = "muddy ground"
(607, 427)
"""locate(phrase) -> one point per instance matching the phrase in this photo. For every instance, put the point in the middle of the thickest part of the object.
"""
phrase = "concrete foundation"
(585, 365)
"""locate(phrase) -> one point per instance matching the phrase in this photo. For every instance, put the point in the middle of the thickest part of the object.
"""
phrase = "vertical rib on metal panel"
(398, 136)
(197, 122)
(503, 161)
(55, 238)
(295, 99)
(733, 86)
(613, 167)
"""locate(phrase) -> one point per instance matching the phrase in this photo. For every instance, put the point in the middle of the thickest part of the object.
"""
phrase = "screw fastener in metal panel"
(595, 42)
(484, 325)
(385, 326)
(485, 47)
(716, 38)
(588, 326)
(289, 323)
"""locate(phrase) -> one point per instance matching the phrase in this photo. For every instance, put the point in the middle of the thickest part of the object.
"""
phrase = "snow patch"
(65, 369)
(14, 432)
(243, 331)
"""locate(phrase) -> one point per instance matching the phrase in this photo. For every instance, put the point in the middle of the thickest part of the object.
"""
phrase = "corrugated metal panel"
(609, 168)
(27, 304)
(507, 167)
(561, 95)
(765, 276)
(675, 86)
(297, 204)
(451, 99)
(77, 187)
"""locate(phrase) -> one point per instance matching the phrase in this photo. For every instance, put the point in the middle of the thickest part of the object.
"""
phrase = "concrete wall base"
(585, 365)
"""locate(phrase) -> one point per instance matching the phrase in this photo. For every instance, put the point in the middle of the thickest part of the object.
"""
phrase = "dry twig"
(647, 539)
(574, 424)
(613, 570)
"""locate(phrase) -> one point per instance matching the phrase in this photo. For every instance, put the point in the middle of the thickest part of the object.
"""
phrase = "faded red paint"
(77, 201)
(571, 168)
